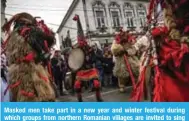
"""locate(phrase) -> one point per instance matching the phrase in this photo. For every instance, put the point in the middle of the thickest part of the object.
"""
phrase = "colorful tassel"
(158, 95)
(138, 91)
(28, 94)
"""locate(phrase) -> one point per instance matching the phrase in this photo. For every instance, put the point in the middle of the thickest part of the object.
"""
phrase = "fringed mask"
(35, 33)
(122, 37)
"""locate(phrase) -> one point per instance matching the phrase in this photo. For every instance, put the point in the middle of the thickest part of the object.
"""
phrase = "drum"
(76, 59)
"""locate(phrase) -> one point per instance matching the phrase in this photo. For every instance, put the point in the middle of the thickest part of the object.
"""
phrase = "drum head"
(76, 59)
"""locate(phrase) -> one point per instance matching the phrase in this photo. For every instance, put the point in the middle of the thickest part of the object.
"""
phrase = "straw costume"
(126, 67)
(27, 49)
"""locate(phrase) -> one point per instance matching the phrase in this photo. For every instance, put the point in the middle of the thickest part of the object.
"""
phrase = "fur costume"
(27, 49)
(170, 54)
(119, 49)
(143, 45)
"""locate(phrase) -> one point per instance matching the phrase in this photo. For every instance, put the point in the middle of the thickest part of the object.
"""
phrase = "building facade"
(102, 18)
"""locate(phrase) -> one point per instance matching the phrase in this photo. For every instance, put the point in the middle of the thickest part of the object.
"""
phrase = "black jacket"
(108, 65)
(97, 58)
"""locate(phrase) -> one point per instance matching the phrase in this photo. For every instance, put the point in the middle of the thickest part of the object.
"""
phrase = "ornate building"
(102, 18)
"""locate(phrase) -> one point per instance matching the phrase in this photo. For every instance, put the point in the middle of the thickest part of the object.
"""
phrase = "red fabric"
(138, 91)
(171, 50)
(28, 94)
(76, 17)
(28, 58)
(96, 84)
(46, 45)
(150, 10)
(44, 28)
(158, 93)
(159, 31)
(186, 30)
(77, 84)
(118, 39)
(87, 74)
(43, 77)
(174, 89)
(49, 68)
(24, 30)
(173, 83)
(128, 66)
(131, 38)
(81, 41)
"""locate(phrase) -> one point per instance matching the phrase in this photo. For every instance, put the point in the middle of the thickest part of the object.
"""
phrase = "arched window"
(99, 13)
(114, 9)
(129, 15)
(141, 12)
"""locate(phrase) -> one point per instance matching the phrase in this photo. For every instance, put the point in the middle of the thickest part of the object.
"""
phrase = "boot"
(79, 97)
(98, 96)
(99, 99)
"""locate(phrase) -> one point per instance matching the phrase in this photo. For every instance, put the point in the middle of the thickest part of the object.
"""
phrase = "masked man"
(126, 67)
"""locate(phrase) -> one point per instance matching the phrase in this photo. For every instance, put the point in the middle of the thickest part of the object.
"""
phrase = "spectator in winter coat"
(57, 70)
(108, 67)
(97, 59)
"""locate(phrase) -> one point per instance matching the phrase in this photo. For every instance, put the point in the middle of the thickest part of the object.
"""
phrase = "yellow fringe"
(171, 24)
(117, 49)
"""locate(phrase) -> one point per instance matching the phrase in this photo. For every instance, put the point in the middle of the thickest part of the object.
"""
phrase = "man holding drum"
(77, 62)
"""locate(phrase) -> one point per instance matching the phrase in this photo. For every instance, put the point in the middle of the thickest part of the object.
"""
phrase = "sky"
(51, 11)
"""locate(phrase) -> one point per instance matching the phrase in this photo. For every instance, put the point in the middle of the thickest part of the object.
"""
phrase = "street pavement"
(108, 95)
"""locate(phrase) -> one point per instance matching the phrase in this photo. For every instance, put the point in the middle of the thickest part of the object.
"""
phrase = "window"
(99, 14)
(141, 11)
(100, 18)
(115, 14)
(129, 19)
(129, 15)
(115, 18)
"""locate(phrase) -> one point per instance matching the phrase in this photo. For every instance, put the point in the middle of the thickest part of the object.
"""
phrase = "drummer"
(86, 73)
